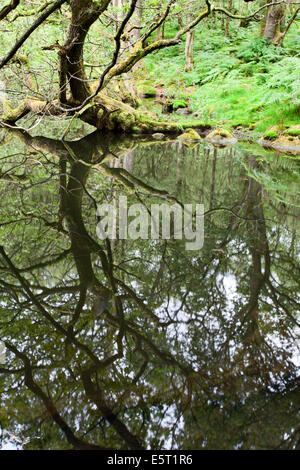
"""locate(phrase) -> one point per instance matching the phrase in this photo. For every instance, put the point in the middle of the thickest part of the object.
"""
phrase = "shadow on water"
(132, 344)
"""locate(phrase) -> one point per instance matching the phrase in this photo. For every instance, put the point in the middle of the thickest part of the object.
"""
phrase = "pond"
(141, 343)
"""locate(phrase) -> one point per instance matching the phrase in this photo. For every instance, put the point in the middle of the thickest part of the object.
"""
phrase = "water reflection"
(134, 344)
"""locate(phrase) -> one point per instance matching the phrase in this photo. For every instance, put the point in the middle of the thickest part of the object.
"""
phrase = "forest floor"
(239, 82)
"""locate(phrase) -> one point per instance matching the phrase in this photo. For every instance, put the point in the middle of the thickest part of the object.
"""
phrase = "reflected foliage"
(132, 344)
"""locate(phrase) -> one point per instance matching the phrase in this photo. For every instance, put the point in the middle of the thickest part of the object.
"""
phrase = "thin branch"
(140, 52)
(241, 17)
(158, 22)
(8, 8)
(29, 31)
(58, 327)
(48, 403)
(96, 396)
(283, 34)
(32, 12)
(116, 51)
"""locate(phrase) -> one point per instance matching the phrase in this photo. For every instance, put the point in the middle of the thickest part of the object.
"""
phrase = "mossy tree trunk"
(93, 105)
(274, 18)
(84, 14)
(228, 19)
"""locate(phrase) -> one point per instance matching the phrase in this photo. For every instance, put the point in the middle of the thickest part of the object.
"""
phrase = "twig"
(30, 30)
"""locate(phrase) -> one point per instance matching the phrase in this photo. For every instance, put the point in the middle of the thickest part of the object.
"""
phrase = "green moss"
(272, 133)
(179, 104)
(146, 90)
(11, 114)
(220, 133)
(193, 124)
(126, 120)
(189, 134)
(293, 131)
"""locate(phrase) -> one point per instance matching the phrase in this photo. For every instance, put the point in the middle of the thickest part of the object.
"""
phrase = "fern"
(253, 50)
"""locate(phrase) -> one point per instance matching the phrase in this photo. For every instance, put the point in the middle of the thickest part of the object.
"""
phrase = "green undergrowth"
(237, 81)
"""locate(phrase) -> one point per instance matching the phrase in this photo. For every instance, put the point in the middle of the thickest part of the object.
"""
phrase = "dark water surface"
(130, 344)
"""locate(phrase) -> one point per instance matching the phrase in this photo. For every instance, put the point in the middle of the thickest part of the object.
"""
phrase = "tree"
(273, 26)
(79, 97)
(275, 16)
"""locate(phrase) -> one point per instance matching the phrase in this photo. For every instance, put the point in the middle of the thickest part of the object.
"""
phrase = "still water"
(142, 344)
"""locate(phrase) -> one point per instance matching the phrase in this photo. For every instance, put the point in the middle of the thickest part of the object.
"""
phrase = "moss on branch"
(104, 113)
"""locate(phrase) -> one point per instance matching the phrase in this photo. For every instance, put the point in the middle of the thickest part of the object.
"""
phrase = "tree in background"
(134, 37)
